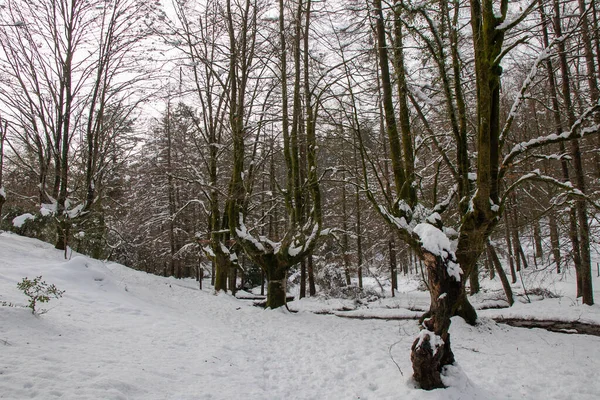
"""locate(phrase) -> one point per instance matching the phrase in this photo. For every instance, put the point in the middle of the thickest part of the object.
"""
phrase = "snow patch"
(433, 240)
(21, 219)
(48, 209)
(437, 243)
(454, 270)
(434, 340)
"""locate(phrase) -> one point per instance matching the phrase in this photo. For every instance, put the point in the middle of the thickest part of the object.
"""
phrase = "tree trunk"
(393, 266)
(221, 267)
(213, 273)
(537, 237)
(3, 129)
(431, 350)
(303, 279)
(276, 285)
(345, 245)
(233, 278)
(359, 253)
(200, 274)
(516, 241)
(474, 280)
(312, 289)
(513, 273)
(584, 272)
(490, 267)
(554, 240)
(498, 267)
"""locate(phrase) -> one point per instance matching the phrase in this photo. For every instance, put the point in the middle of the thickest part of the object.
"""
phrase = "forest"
(264, 145)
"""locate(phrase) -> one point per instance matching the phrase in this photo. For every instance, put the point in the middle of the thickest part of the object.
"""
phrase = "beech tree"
(72, 74)
(3, 130)
(482, 185)
(276, 256)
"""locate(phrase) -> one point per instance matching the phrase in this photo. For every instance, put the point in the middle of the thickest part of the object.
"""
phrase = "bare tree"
(484, 195)
(65, 66)
(277, 257)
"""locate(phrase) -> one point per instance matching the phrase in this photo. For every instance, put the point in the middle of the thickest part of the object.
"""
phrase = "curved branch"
(571, 134)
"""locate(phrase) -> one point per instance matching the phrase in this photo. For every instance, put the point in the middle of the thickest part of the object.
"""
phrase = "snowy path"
(122, 334)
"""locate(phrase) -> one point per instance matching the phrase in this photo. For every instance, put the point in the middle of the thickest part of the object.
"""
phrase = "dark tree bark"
(490, 267)
(584, 271)
(573, 234)
(302, 279)
(537, 237)
(498, 267)
(3, 131)
(312, 288)
(393, 266)
(431, 350)
(554, 240)
(345, 242)
(474, 280)
(509, 248)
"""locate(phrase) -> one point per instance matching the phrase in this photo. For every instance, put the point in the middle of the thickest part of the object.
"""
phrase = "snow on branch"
(308, 243)
(243, 234)
(399, 222)
(536, 175)
(511, 23)
(574, 133)
(521, 96)
(444, 204)
(436, 242)
(545, 54)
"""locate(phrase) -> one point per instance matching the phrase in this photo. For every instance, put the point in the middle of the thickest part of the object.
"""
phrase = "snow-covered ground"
(124, 334)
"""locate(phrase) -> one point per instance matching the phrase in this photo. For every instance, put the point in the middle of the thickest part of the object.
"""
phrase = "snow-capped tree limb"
(522, 95)
(508, 25)
(536, 175)
(575, 132)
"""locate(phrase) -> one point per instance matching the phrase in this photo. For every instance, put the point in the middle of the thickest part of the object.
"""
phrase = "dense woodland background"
(139, 132)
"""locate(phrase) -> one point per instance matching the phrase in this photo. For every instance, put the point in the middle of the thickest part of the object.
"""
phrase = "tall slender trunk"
(171, 194)
(312, 288)
(585, 269)
(573, 234)
(474, 280)
(554, 240)
(500, 271)
(345, 244)
(359, 249)
(590, 67)
(3, 129)
(302, 279)
(513, 272)
(537, 238)
(489, 266)
(393, 266)
(516, 240)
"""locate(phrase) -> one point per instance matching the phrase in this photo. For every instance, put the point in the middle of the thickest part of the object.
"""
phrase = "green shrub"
(38, 291)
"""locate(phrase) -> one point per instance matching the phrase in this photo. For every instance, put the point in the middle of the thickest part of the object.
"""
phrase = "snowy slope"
(124, 334)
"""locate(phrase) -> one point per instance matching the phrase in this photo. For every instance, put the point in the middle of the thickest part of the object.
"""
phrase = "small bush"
(38, 291)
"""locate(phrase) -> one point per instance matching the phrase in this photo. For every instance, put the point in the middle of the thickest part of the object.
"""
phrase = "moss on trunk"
(276, 287)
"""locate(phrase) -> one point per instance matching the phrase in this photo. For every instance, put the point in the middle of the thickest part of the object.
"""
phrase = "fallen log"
(568, 327)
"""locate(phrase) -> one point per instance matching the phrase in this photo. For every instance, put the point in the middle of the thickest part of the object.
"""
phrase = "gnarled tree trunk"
(431, 350)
